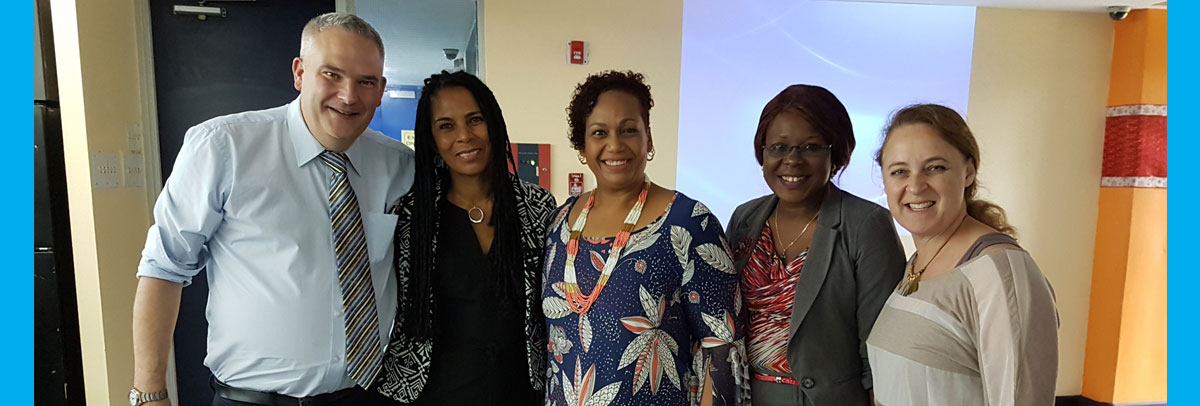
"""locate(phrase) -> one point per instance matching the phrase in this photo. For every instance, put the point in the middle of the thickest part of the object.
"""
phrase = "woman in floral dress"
(640, 294)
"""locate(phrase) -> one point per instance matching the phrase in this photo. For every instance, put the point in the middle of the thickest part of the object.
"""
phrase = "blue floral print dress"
(668, 318)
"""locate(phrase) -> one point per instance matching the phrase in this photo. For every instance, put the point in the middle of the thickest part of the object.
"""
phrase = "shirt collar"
(306, 146)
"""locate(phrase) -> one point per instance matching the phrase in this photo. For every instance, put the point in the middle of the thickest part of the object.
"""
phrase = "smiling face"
(616, 141)
(925, 179)
(796, 177)
(460, 132)
(340, 79)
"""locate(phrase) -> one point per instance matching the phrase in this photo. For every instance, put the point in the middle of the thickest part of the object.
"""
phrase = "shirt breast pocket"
(380, 230)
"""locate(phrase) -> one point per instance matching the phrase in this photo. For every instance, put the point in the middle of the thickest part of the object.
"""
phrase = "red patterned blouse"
(768, 288)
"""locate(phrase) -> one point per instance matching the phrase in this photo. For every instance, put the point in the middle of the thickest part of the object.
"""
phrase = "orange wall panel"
(1142, 358)
(1108, 292)
(1125, 81)
(1126, 354)
(1139, 64)
(1154, 78)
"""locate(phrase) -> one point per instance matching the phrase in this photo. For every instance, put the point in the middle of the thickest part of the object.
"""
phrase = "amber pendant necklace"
(912, 278)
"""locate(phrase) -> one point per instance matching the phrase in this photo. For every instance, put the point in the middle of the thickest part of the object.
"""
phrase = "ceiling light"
(201, 12)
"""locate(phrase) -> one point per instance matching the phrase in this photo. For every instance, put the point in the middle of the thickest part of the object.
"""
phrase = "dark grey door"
(209, 68)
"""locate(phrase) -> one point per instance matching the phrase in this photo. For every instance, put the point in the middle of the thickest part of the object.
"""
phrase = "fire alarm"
(577, 53)
(575, 184)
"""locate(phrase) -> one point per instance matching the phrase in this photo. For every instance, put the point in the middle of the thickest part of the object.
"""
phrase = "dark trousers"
(358, 396)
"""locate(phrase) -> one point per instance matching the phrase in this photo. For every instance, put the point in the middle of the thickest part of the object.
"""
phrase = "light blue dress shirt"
(248, 199)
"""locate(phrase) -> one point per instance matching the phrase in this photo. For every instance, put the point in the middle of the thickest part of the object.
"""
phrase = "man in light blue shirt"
(284, 207)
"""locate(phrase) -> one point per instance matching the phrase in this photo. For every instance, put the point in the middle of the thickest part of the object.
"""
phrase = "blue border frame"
(1182, 127)
(17, 250)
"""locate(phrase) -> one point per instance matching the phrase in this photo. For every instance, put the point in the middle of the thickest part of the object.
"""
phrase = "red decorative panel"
(1135, 145)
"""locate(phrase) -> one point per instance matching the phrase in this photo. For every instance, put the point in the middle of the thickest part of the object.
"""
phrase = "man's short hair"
(345, 21)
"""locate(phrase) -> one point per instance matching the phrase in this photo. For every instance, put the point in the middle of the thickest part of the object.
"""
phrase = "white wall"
(739, 55)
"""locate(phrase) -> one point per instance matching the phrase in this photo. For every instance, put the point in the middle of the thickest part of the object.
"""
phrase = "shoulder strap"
(984, 242)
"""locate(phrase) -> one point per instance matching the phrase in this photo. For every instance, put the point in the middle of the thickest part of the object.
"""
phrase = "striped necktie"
(363, 350)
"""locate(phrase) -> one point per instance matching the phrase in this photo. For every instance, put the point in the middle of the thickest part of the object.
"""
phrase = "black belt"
(275, 399)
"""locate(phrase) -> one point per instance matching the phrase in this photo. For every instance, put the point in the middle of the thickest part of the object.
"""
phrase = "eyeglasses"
(807, 150)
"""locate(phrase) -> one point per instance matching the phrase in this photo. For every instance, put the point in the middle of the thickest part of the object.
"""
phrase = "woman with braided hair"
(469, 329)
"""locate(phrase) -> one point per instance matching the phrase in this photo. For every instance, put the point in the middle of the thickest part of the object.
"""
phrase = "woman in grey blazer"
(817, 263)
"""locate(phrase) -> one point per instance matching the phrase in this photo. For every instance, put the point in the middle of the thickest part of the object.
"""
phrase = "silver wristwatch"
(137, 398)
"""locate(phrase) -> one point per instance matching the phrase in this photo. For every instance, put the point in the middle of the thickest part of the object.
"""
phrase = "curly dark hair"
(824, 112)
(586, 93)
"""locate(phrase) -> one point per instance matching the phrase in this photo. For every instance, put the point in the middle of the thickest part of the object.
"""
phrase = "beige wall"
(525, 64)
(1039, 84)
(100, 91)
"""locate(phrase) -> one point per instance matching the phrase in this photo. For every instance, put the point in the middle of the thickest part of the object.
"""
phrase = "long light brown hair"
(953, 129)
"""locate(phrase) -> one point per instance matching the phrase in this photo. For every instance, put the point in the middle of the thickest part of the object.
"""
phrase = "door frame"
(481, 61)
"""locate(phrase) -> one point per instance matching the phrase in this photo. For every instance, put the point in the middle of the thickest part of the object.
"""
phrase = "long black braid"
(506, 274)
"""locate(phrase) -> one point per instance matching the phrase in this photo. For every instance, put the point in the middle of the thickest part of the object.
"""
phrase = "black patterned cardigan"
(406, 363)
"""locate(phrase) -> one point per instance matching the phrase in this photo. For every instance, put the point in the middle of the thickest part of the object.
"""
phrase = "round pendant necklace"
(782, 258)
(471, 213)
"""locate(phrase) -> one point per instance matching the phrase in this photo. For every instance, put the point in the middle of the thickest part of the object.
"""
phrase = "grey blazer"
(854, 263)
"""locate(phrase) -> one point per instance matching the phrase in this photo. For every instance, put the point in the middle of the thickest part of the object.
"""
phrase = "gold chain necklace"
(783, 258)
(912, 280)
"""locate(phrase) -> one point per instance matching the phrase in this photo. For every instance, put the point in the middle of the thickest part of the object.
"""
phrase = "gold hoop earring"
(582, 160)
(650, 155)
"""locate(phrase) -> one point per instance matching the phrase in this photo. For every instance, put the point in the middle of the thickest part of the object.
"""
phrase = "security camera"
(1117, 13)
(451, 53)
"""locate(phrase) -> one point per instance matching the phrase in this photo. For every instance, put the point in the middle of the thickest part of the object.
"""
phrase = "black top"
(479, 348)
(407, 363)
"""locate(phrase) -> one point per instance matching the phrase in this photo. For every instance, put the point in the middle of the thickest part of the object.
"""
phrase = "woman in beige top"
(973, 321)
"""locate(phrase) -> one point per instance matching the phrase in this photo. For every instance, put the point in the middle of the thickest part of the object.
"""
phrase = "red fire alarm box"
(577, 53)
(575, 184)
